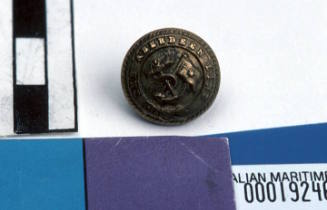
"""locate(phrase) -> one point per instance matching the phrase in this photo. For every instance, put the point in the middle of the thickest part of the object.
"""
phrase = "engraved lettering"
(210, 77)
(153, 44)
(136, 92)
(207, 87)
(161, 40)
(172, 39)
(207, 68)
(192, 46)
(139, 57)
(182, 41)
(206, 94)
(209, 72)
(145, 50)
(200, 52)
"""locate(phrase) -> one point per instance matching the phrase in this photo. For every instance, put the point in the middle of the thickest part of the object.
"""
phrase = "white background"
(272, 54)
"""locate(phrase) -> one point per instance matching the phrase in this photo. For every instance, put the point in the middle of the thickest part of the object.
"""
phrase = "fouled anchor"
(183, 69)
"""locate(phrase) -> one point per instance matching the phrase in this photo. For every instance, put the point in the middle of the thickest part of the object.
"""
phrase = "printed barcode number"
(285, 192)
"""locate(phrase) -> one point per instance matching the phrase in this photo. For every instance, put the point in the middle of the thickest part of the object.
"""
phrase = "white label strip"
(6, 68)
(283, 187)
(30, 68)
(60, 65)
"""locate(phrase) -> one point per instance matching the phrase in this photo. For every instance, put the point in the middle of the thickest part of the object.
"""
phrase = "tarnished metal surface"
(170, 76)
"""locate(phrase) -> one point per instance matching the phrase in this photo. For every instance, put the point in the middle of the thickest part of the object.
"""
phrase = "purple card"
(160, 173)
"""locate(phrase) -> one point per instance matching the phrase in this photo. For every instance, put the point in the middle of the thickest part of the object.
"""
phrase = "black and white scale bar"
(38, 89)
(30, 88)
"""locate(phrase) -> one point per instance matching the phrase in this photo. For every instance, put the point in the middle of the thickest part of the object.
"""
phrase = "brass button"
(170, 76)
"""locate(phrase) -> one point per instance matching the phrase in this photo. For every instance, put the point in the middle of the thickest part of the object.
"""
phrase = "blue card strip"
(288, 145)
(42, 174)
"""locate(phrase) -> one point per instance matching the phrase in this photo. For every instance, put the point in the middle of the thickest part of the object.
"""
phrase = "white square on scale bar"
(30, 58)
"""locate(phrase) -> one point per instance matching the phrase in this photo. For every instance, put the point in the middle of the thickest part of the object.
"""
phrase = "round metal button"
(170, 76)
